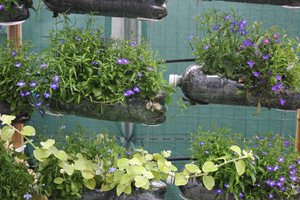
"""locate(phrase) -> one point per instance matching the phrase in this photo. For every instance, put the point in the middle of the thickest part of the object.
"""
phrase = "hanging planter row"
(271, 2)
(84, 74)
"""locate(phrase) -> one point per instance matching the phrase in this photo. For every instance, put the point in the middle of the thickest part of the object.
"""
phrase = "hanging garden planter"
(271, 2)
(101, 78)
(151, 9)
(248, 62)
(14, 12)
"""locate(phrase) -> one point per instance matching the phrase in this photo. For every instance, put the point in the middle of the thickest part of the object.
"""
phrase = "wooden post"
(297, 143)
(14, 34)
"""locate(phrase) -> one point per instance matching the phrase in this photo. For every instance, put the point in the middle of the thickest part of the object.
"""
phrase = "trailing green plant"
(273, 174)
(100, 69)
(7, 5)
(265, 61)
(15, 179)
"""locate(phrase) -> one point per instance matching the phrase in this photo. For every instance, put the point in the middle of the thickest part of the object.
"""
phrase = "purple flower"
(46, 95)
(122, 61)
(243, 32)
(216, 27)
(44, 65)
(298, 161)
(136, 89)
(140, 74)
(266, 57)
(38, 104)
(275, 168)
(128, 153)
(281, 159)
(294, 178)
(270, 196)
(131, 92)
(241, 195)
(21, 84)
(293, 171)
(255, 46)
(201, 143)
(283, 189)
(276, 36)
(53, 86)
(206, 47)
(256, 73)
(269, 168)
(278, 41)
(219, 191)
(1, 7)
(282, 179)
(243, 24)
(27, 93)
(227, 17)
(286, 143)
(95, 63)
(277, 87)
(22, 94)
(226, 185)
(18, 64)
(292, 167)
(13, 53)
(56, 79)
(126, 94)
(77, 38)
(279, 184)
(112, 170)
(27, 196)
(133, 43)
(282, 101)
(278, 77)
(37, 95)
(247, 43)
(190, 38)
(266, 41)
(251, 63)
(33, 84)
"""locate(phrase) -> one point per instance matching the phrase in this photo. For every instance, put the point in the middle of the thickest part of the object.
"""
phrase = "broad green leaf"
(28, 131)
(192, 168)
(128, 189)
(148, 174)
(123, 163)
(140, 181)
(6, 133)
(87, 174)
(7, 119)
(209, 167)
(58, 180)
(61, 155)
(240, 167)
(236, 149)
(209, 182)
(166, 154)
(49, 143)
(90, 184)
(79, 165)
(105, 188)
(180, 179)
(41, 154)
(135, 161)
(118, 175)
(69, 169)
(149, 157)
(120, 189)
(125, 179)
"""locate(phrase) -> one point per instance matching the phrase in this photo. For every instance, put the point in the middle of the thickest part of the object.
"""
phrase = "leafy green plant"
(271, 175)
(15, 179)
(7, 5)
(265, 61)
(102, 70)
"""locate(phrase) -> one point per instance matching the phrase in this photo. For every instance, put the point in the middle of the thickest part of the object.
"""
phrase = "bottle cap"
(174, 79)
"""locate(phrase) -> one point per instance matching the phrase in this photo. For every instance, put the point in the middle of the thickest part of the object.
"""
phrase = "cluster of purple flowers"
(1, 7)
(226, 186)
(131, 92)
(123, 61)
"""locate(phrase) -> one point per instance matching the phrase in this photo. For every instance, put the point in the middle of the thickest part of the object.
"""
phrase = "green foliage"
(100, 69)
(265, 61)
(275, 163)
(9, 4)
(138, 171)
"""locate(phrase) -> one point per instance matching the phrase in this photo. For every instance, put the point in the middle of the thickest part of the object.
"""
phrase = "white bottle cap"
(174, 79)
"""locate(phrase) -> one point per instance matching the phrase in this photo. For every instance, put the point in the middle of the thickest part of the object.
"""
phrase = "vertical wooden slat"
(297, 143)
(14, 34)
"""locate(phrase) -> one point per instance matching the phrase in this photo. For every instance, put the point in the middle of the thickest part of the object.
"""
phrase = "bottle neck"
(175, 80)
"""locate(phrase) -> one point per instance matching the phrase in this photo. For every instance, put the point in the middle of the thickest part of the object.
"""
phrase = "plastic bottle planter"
(272, 2)
(194, 190)
(156, 193)
(16, 13)
(134, 110)
(150, 9)
(204, 89)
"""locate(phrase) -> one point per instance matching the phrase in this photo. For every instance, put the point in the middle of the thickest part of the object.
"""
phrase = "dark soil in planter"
(194, 190)
(15, 13)
(134, 110)
(151, 9)
(272, 2)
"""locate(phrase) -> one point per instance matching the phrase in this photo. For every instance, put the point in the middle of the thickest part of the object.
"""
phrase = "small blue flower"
(282, 101)
(191, 37)
(122, 61)
(243, 24)
(282, 179)
(294, 178)
(226, 185)
(38, 104)
(140, 74)
(150, 69)
(247, 43)
(21, 83)
(279, 184)
(243, 32)
(278, 77)
(136, 89)
(77, 38)
(56, 79)
(206, 47)
(54, 86)
(218, 191)
(1, 7)
(18, 64)
(256, 73)
(95, 63)
(216, 27)
(133, 43)
(271, 196)
(251, 63)
(13, 53)
(112, 170)
(44, 65)
(241, 195)
(283, 189)
(281, 159)
(27, 196)
(266, 57)
(46, 95)
(33, 84)
(275, 168)
(227, 17)
(269, 168)
(201, 143)
(27, 93)
(128, 153)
